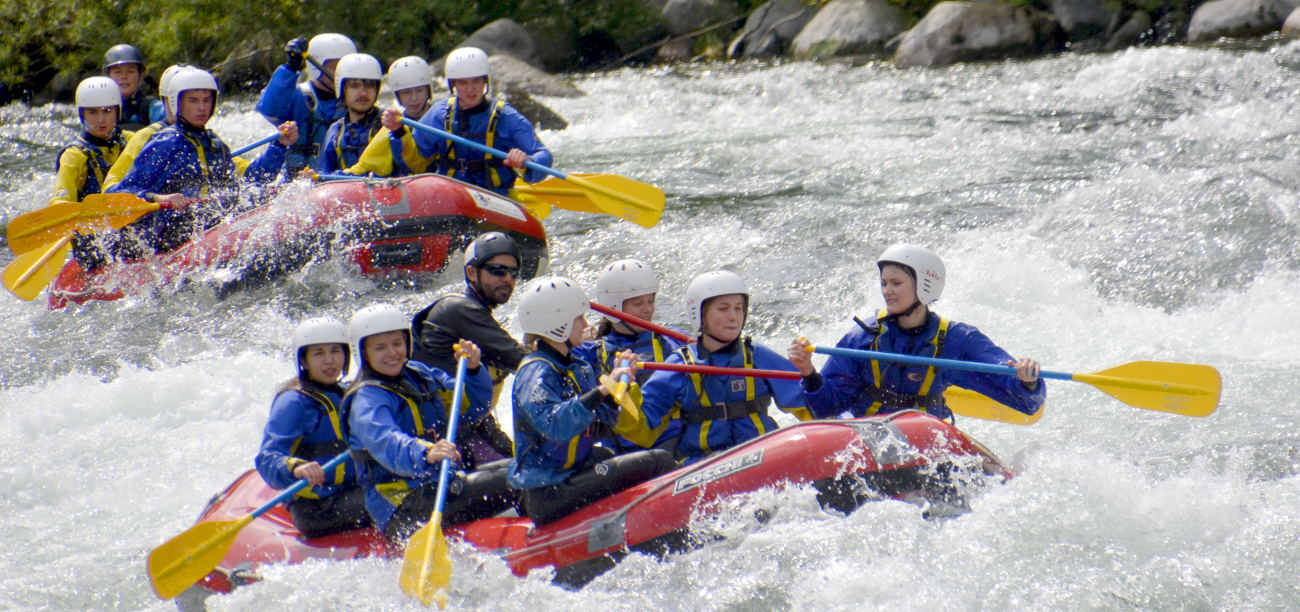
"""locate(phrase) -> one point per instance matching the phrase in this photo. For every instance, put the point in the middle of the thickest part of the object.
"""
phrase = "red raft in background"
(403, 226)
(907, 455)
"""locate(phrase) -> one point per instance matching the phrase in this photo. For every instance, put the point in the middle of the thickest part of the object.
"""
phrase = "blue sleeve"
(966, 343)
(842, 381)
(478, 390)
(153, 166)
(428, 144)
(519, 134)
(281, 97)
(267, 166)
(661, 392)
(787, 393)
(399, 161)
(372, 423)
(537, 396)
(284, 426)
(157, 112)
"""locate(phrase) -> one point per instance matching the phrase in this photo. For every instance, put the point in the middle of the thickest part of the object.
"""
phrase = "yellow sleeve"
(631, 420)
(71, 177)
(377, 159)
(126, 159)
(241, 165)
(418, 164)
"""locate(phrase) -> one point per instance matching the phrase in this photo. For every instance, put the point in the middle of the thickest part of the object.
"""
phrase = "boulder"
(849, 27)
(517, 76)
(505, 36)
(1291, 27)
(682, 16)
(1082, 19)
(557, 42)
(962, 31)
(1238, 18)
(1130, 33)
(770, 28)
(249, 66)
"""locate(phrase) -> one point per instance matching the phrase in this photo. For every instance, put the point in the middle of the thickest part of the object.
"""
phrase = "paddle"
(642, 323)
(426, 565)
(188, 557)
(250, 147)
(611, 194)
(1179, 388)
(38, 228)
(32, 271)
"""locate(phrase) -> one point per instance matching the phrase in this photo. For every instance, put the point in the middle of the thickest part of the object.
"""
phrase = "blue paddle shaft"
(972, 366)
(298, 486)
(482, 147)
(243, 150)
(458, 391)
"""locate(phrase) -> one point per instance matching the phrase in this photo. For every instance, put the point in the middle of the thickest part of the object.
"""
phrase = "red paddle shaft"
(642, 323)
(720, 371)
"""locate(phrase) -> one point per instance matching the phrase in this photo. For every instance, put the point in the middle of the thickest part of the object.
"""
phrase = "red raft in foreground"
(908, 455)
(404, 226)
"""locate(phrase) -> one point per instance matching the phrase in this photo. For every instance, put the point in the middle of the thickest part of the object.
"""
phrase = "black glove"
(294, 54)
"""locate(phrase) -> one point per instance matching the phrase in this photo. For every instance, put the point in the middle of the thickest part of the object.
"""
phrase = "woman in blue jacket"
(565, 419)
(397, 424)
(911, 279)
(305, 430)
(719, 412)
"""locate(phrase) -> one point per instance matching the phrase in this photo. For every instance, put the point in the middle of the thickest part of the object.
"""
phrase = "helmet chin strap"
(910, 309)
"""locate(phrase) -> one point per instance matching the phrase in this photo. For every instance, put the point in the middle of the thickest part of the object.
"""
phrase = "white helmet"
(97, 92)
(926, 268)
(165, 81)
(623, 280)
(465, 63)
(549, 306)
(711, 285)
(186, 80)
(377, 319)
(321, 330)
(357, 66)
(408, 72)
(326, 47)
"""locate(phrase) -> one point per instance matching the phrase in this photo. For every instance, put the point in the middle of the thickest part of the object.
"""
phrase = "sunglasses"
(501, 270)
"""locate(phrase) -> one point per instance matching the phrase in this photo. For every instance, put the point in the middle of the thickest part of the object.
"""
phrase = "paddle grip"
(642, 323)
(971, 366)
(298, 486)
(245, 149)
(531, 165)
(720, 371)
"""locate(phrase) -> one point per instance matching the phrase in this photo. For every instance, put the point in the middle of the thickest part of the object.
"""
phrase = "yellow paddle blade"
(976, 405)
(426, 565)
(33, 271)
(1181, 388)
(537, 206)
(33, 230)
(117, 209)
(607, 194)
(187, 558)
(556, 192)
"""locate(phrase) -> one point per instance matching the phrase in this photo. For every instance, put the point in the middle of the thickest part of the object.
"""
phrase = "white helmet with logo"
(326, 47)
(187, 80)
(711, 285)
(466, 63)
(377, 319)
(549, 306)
(924, 265)
(408, 72)
(98, 92)
(624, 280)
(320, 330)
(357, 66)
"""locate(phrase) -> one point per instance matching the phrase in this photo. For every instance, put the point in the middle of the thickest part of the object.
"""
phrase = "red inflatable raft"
(404, 226)
(908, 455)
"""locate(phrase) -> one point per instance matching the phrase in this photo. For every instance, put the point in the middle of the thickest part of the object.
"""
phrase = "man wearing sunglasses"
(491, 268)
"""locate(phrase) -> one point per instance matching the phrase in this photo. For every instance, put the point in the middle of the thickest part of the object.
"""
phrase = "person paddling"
(187, 162)
(397, 426)
(630, 286)
(306, 429)
(313, 105)
(389, 154)
(719, 412)
(563, 414)
(143, 135)
(473, 113)
(911, 280)
(357, 85)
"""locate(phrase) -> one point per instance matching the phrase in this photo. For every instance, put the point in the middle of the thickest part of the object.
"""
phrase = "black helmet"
(489, 245)
(123, 54)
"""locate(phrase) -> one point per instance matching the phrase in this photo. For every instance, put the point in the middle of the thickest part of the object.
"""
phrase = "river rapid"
(1092, 210)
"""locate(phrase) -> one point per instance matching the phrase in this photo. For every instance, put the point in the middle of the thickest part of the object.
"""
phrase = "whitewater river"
(1093, 210)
